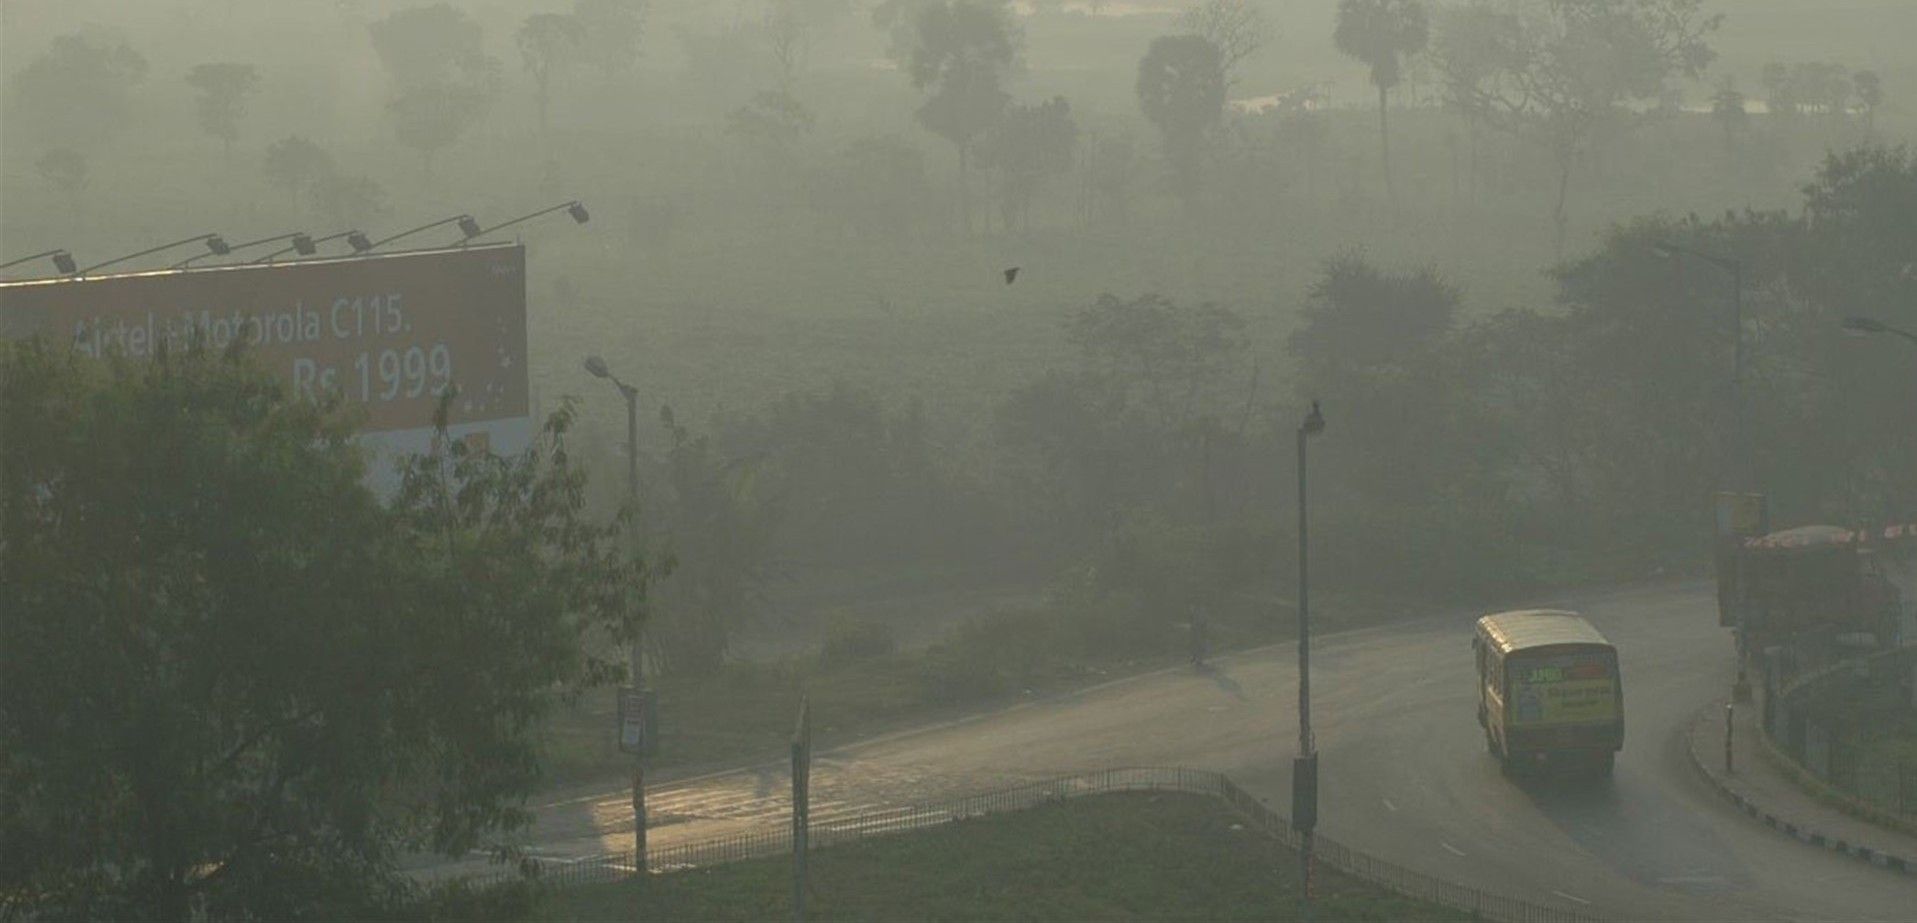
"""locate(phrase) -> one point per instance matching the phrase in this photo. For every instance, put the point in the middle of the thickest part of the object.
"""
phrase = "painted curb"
(1876, 857)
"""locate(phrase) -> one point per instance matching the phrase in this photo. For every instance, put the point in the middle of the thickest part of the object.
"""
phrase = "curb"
(1802, 834)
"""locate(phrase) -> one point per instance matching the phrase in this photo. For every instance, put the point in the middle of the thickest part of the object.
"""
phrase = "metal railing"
(777, 840)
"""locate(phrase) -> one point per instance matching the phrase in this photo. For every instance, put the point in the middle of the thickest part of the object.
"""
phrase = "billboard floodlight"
(213, 242)
(573, 208)
(62, 260)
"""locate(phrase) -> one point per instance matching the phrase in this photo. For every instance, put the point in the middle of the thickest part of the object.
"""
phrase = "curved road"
(1404, 773)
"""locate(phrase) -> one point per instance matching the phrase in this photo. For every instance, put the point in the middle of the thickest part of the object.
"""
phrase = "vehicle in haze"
(1549, 692)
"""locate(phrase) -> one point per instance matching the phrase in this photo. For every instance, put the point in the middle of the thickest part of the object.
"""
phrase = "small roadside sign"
(636, 732)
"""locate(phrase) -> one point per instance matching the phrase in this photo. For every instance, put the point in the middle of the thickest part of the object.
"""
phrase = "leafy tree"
(1181, 89)
(612, 30)
(296, 164)
(1727, 108)
(772, 123)
(443, 80)
(1029, 145)
(431, 117)
(346, 201)
(1780, 89)
(78, 93)
(1870, 94)
(233, 683)
(960, 52)
(1236, 27)
(877, 189)
(548, 42)
(66, 170)
(430, 46)
(1573, 69)
(223, 90)
(1382, 34)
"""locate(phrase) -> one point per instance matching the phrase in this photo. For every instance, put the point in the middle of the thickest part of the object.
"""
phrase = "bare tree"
(1235, 26)
(1571, 70)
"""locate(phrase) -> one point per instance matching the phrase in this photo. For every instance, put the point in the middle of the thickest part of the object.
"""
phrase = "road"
(1404, 772)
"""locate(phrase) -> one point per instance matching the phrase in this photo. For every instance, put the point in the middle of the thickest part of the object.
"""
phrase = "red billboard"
(387, 333)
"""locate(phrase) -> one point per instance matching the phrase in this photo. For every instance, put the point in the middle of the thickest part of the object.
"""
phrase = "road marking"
(1450, 848)
(1571, 897)
(1389, 806)
(1691, 880)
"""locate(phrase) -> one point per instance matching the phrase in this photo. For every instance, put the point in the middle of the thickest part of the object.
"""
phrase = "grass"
(1112, 857)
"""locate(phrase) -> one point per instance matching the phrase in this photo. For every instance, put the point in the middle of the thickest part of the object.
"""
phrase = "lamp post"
(1304, 769)
(573, 208)
(597, 366)
(468, 228)
(62, 261)
(301, 242)
(354, 238)
(214, 243)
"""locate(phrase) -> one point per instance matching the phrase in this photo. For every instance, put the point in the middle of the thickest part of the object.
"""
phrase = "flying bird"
(1010, 275)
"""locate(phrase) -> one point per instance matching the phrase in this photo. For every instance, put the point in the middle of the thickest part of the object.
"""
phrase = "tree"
(430, 118)
(296, 165)
(223, 90)
(1780, 89)
(1029, 145)
(1727, 108)
(771, 123)
(443, 80)
(612, 30)
(233, 683)
(1465, 49)
(1870, 94)
(65, 170)
(960, 51)
(549, 43)
(877, 189)
(1236, 27)
(1181, 90)
(346, 201)
(1382, 33)
(78, 93)
(1572, 70)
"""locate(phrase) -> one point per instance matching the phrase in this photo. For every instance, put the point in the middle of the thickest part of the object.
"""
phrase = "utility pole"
(1304, 768)
(801, 805)
(635, 720)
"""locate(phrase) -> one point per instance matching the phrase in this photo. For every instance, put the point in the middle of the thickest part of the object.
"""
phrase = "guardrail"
(1817, 723)
(775, 841)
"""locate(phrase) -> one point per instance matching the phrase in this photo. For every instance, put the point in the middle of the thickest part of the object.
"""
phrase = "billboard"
(386, 333)
(1565, 689)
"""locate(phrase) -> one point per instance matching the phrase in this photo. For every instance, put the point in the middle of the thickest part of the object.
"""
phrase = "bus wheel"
(1606, 764)
(1491, 743)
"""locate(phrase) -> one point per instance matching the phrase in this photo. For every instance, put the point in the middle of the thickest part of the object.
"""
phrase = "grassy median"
(1155, 856)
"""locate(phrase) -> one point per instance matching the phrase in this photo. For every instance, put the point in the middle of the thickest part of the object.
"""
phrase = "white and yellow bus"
(1549, 691)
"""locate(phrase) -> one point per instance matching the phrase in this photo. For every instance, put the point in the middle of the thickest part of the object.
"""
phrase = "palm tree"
(1382, 33)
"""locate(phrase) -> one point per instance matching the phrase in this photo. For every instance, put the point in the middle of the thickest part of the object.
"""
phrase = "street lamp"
(467, 227)
(573, 208)
(62, 261)
(214, 243)
(301, 242)
(354, 238)
(1866, 326)
(1304, 769)
(597, 366)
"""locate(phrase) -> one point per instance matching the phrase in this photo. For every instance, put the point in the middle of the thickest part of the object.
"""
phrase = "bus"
(1549, 692)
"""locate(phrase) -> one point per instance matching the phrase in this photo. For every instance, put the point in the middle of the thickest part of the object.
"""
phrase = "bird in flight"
(1010, 275)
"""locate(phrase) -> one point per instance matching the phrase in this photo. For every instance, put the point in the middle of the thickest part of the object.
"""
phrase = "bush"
(849, 640)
